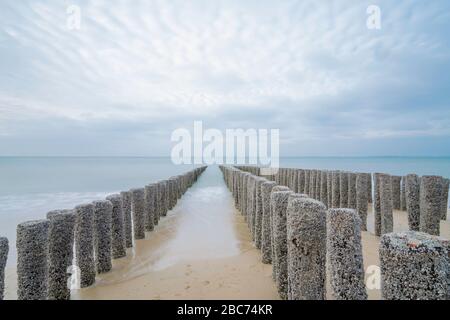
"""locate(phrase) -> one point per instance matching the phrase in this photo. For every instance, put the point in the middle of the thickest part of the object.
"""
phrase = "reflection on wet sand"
(202, 249)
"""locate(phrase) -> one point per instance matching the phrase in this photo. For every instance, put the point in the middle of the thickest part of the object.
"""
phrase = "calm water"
(30, 187)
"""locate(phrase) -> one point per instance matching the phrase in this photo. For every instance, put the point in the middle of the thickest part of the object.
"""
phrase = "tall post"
(266, 239)
(312, 184)
(250, 200)
(258, 212)
(329, 189)
(149, 208)
(377, 203)
(396, 193)
(335, 192)
(307, 182)
(323, 188)
(279, 201)
(362, 184)
(444, 204)
(294, 180)
(403, 194)
(274, 227)
(119, 249)
(4, 249)
(126, 210)
(301, 181)
(343, 188)
(138, 207)
(84, 243)
(430, 204)
(32, 260)
(60, 252)
(369, 192)
(386, 204)
(412, 191)
(318, 177)
(166, 197)
(103, 233)
(352, 190)
(344, 252)
(306, 238)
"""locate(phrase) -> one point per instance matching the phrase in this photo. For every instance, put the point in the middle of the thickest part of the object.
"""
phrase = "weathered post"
(444, 204)
(403, 195)
(266, 239)
(279, 201)
(430, 204)
(377, 204)
(170, 196)
(396, 180)
(312, 184)
(362, 184)
(318, 177)
(250, 205)
(126, 210)
(167, 198)
(32, 260)
(387, 219)
(149, 207)
(306, 239)
(272, 223)
(84, 243)
(258, 212)
(343, 188)
(103, 233)
(329, 189)
(344, 252)
(60, 252)
(335, 193)
(307, 182)
(414, 266)
(323, 188)
(158, 199)
(4, 249)
(352, 190)
(138, 207)
(244, 195)
(412, 190)
(119, 248)
(301, 181)
(369, 192)
(294, 180)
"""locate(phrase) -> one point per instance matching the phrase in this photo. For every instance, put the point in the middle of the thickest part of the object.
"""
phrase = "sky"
(135, 71)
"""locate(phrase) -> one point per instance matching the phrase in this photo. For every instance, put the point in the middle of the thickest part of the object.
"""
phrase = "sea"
(32, 186)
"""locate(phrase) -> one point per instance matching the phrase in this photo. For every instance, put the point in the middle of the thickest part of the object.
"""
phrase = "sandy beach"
(203, 250)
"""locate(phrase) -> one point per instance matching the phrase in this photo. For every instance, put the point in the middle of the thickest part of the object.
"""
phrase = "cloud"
(136, 72)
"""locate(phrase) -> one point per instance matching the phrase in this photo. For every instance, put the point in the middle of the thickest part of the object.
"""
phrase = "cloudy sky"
(137, 70)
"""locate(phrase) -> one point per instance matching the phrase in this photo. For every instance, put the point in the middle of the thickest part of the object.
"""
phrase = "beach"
(203, 250)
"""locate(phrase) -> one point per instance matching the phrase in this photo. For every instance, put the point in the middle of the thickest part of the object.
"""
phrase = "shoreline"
(184, 258)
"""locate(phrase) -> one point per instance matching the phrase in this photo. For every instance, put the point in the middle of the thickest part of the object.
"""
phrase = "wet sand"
(203, 250)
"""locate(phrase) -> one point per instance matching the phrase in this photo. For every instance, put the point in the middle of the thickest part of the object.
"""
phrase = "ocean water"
(32, 186)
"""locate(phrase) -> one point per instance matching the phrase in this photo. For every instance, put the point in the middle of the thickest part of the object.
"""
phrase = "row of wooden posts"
(297, 234)
(424, 198)
(88, 237)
